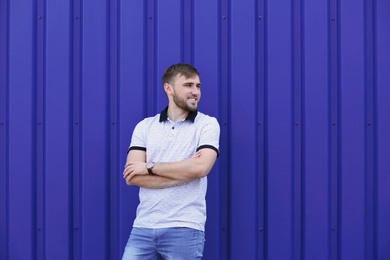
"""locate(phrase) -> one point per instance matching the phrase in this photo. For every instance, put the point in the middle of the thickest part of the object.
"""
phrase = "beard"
(181, 103)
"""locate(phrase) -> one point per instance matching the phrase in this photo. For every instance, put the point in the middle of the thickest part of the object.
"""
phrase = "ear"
(168, 89)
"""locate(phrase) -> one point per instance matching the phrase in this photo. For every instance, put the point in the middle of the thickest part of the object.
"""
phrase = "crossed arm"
(167, 174)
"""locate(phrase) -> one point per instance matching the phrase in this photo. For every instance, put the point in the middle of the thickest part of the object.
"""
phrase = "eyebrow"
(191, 83)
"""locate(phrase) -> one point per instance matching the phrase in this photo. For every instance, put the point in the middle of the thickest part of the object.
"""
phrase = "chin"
(192, 109)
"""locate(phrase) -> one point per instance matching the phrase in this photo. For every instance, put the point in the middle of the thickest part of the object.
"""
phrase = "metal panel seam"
(370, 146)
(150, 93)
(261, 151)
(297, 70)
(76, 131)
(4, 171)
(187, 31)
(40, 129)
(224, 90)
(113, 180)
(334, 128)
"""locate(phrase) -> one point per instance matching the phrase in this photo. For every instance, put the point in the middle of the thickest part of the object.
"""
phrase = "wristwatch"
(150, 166)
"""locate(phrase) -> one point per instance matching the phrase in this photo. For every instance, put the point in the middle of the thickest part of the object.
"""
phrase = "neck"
(176, 114)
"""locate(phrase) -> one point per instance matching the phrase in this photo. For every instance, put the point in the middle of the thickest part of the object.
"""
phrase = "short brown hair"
(184, 69)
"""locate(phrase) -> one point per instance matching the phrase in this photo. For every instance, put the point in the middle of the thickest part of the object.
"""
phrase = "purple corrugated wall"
(300, 88)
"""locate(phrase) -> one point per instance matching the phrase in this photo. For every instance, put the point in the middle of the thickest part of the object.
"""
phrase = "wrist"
(149, 167)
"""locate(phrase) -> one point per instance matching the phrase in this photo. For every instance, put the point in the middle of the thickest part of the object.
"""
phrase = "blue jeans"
(164, 243)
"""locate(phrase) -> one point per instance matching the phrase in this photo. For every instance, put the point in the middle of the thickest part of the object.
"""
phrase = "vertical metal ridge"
(297, 70)
(150, 77)
(261, 151)
(4, 23)
(113, 165)
(224, 90)
(370, 145)
(334, 128)
(266, 172)
(187, 31)
(76, 129)
(40, 130)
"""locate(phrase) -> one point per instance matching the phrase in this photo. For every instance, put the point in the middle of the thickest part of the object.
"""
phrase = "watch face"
(149, 165)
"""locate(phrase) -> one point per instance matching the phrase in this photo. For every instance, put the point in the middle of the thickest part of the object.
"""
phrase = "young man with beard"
(169, 158)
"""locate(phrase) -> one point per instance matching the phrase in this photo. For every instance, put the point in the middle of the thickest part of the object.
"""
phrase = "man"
(169, 158)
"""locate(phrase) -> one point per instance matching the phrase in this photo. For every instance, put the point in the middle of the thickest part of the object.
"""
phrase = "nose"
(195, 90)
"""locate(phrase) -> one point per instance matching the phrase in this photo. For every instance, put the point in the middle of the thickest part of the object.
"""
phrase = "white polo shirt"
(165, 141)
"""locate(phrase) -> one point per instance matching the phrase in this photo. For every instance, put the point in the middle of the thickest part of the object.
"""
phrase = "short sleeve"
(138, 141)
(209, 137)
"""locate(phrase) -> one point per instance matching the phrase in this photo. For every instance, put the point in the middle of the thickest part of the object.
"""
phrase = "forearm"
(182, 171)
(164, 174)
(152, 181)
(169, 174)
(195, 167)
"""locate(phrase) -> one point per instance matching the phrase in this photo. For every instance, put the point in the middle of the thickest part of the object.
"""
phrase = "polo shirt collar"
(164, 115)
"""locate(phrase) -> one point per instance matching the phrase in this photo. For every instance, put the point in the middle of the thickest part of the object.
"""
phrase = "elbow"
(203, 164)
(130, 182)
(201, 170)
(200, 173)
